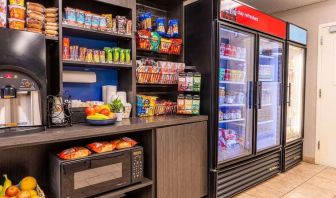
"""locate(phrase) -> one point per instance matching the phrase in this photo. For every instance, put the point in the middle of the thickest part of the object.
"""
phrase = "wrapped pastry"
(51, 32)
(35, 15)
(124, 143)
(35, 7)
(51, 15)
(51, 10)
(49, 27)
(36, 30)
(74, 153)
(17, 12)
(51, 20)
(101, 147)
(33, 23)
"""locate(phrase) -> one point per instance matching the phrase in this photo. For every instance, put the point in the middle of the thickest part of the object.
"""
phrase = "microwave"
(95, 174)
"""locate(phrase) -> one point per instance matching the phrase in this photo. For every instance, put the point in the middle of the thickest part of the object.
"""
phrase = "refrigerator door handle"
(259, 91)
(250, 94)
(289, 87)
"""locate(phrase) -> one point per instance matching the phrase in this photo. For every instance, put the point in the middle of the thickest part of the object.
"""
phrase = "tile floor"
(304, 181)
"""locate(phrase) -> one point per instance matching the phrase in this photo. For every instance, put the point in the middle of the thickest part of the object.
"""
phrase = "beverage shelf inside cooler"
(229, 154)
(232, 82)
(232, 105)
(233, 120)
(232, 58)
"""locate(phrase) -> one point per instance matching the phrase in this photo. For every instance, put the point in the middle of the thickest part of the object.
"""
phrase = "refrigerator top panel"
(244, 15)
(297, 34)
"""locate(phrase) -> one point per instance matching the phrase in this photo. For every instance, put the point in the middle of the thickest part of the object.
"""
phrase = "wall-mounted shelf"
(86, 64)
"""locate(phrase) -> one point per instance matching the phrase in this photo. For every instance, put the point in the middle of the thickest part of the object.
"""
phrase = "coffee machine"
(22, 82)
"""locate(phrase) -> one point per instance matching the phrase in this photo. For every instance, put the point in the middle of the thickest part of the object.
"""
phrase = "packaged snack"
(52, 10)
(173, 30)
(74, 52)
(82, 53)
(129, 27)
(101, 147)
(176, 46)
(189, 81)
(80, 17)
(88, 20)
(3, 20)
(70, 16)
(197, 82)
(102, 23)
(109, 19)
(165, 45)
(54, 15)
(114, 25)
(102, 56)
(96, 58)
(108, 55)
(121, 24)
(33, 23)
(34, 30)
(146, 21)
(188, 102)
(3, 6)
(143, 39)
(66, 48)
(122, 56)
(95, 21)
(196, 105)
(51, 20)
(74, 153)
(51, 32)
(17, 12)
(51, 27)
(35, 7)
(89, 56)
(115, 142)
(160, 26)
(155, 41)
(130, 141)
(116, 54)
(128, 56)
(16, 24)
(35, 15)
(16, 2)
(180, 104)
(182, 82)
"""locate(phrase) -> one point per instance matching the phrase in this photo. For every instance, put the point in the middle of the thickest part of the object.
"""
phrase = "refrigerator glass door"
(295, 92)
(235, 110)
(269, 93)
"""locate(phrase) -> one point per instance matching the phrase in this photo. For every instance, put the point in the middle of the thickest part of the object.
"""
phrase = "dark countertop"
(82, 131)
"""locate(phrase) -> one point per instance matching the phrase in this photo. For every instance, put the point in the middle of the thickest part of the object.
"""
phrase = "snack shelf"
(233, 120)
(80, 63)
(96, 34)
(155, 85)
(232, 58)
(231, 105)
(232, 82)
(144, 183)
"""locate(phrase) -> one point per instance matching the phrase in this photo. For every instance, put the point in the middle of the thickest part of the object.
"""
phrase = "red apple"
(105, 112)
(12, 191)
(89, 111)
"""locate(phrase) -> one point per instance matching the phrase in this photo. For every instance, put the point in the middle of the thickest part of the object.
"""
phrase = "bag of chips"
(124, 142)
(165, 45)
(155, 41)
(101, 147)
(173, 30)
(176, 46)
(108, 55)
(160, 26)
(143, 39)
(146, 21)
(74, 153)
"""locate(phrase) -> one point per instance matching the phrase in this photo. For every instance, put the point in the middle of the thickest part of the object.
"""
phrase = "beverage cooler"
(294, 94)
(243, 61)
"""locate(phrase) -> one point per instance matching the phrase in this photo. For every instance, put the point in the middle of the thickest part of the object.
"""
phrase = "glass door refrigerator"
(294, 94)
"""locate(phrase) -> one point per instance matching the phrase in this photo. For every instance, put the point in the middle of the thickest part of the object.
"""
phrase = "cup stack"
(35, 17)
(51, 26)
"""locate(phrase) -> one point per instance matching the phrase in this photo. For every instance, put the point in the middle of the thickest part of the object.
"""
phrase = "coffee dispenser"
(23, 82)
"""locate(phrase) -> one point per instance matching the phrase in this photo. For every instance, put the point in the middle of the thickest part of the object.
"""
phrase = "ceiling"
(273, 6)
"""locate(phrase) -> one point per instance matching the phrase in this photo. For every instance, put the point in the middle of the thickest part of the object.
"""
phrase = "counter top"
(82, 131)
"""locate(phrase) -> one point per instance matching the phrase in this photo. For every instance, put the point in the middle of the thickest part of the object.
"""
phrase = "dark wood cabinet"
(181, 155)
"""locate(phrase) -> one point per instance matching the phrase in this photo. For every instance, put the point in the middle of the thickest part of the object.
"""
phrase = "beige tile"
(313, 191)
(306, 170)
(244, 195)
(295, 195)
(282, 184)
(328, 173)
(323, 183)
(264, 192)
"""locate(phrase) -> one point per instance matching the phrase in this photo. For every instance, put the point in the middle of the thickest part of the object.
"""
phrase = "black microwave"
(95, 174)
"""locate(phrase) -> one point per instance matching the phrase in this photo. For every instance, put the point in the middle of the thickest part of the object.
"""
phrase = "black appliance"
(95, 174)
(22, 82)
(240, 52)
(295, 70)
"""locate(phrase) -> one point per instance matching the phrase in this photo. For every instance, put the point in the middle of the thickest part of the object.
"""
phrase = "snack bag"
(121, 24)
(102, 56)
(116, 54)
(88, 20)
(74, 153)
(80, 17)
(172, 28)
(16, 2)
(96, 58)
(129, 27)
(155, 41)
(165, 45)
(108, 55)
(128, 56)
(89, 56)
(95, 21)
(3, 7)
(160, 26)
(82, 53)
(109, 19)
(17, 12)
(3, 20)
(130, 141)
(176, 46)
(143, 39)
(16, 24)
(102, 23)
(146, 21)
(101, 147)
(122, 56)
(70, 16)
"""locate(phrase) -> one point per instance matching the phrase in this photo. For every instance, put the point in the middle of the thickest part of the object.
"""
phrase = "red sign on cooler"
(252, 18)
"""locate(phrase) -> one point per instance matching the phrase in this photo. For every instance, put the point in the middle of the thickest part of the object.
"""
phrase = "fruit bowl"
(101, 122)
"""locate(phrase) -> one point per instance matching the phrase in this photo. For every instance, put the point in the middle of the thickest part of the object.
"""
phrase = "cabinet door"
(182, 161)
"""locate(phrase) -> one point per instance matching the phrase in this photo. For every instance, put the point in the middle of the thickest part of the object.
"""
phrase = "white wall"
(310, 17)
